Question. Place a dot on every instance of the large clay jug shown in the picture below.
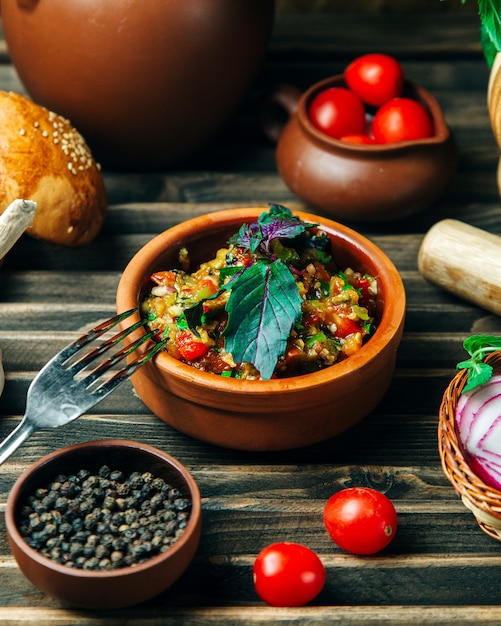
(147, 82)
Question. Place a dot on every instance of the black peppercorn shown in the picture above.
(117, 476)
(104, 471)
(109, 502)
(103, 520)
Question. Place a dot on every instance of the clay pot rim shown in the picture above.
(101, 444)
(389, 323)
(442, 131)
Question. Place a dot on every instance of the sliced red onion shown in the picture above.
(478, 424)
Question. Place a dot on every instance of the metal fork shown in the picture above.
(62, 391)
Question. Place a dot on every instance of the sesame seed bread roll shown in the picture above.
(44, 159)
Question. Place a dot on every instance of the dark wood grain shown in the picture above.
(441, 568)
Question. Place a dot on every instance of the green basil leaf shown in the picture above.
(263, 306)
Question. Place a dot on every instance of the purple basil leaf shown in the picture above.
(278, 223)
(264, 305)
(248, 237)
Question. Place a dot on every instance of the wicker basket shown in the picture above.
(482, 500)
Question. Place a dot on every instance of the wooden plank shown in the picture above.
(259, 615)
(417, 35)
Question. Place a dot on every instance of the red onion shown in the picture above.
(478, 424)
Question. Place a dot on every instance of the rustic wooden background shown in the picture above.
(441, 568)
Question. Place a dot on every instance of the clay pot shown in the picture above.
(113, 588)
(371, 183)
(279, 413)
(146, 83)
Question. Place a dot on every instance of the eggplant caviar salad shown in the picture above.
(271, 304)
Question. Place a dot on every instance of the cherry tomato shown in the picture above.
(376, 78)
(288, 574)
(337, 111)
(358, 138)
(189, 347)
(360, 520)
(401, 119)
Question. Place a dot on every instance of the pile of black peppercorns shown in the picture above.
(104, 520)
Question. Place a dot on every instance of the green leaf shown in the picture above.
(490, 14)
(478, 373)
(488, 47)
(490, 30)
(263, 306)
(478, 346)
(194, 315)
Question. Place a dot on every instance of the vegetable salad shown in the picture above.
(270, 304)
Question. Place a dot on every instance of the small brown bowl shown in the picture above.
(481, 499)
(362, 183)
(110, 589)
(278, 413)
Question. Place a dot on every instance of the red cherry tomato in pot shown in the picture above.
(288, 574)
(337, 111)
(401, 119)
(360, 520)
(376, 78)
(359, 139)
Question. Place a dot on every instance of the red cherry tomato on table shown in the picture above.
(401, 119)
(360, 520)
(376, 78)
(337, 111)
(288, 574)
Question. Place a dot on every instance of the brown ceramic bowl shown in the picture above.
(146, 83)
(371, 183)
(274, 414)
(115, 588)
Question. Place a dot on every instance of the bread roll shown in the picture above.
(44, 159)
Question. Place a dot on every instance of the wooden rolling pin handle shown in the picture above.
(464, 260)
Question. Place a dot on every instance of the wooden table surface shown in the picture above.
(440, 568)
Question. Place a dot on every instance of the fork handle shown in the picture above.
(12, 442)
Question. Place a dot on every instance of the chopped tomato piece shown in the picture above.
(208, 286)
(164, 278)
(189, 347)
(364, 284)
(346, 327)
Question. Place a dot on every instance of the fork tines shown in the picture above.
(80, 363)
(129, 369)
